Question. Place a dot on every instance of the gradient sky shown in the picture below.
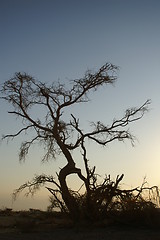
(61, 39)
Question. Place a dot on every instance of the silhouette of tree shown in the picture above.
(26, 94)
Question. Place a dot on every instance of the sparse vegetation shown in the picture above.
(32, 221)
(106, 202)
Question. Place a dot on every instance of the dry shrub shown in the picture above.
(138, 206)
(6, 212)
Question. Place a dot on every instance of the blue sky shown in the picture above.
(61, 39)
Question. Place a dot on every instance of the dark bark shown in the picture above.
(70, 168)
(69, 200)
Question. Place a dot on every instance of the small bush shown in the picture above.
(6, 211)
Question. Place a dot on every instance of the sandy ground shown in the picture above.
(38, 226)
(108, 233)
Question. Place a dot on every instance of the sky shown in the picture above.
(60, 40)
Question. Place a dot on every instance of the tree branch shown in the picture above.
(18, 133)
(34, 185)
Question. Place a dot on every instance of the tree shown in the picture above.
(27, 94)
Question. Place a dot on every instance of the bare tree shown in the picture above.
(26, 94)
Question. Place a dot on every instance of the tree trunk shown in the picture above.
(70, 168)
(69, 200)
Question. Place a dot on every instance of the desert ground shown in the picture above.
(35, 225)
(85, 234)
